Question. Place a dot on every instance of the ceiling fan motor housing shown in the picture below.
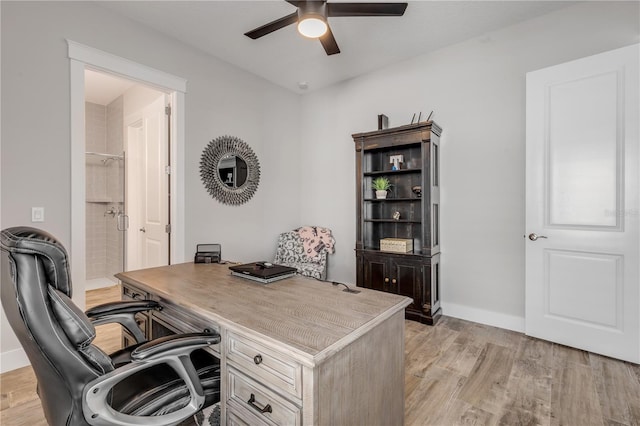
(312, 19)
(315, 9)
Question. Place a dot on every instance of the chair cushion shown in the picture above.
(307, 269)
(73, 321)
(78, 329)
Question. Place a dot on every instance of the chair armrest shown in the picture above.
(122, 307)
(163, 345)
(171, 350)
(123, 312)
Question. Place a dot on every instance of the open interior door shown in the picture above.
(148, 187)
(582, 204)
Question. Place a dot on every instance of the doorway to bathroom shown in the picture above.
(127, 177)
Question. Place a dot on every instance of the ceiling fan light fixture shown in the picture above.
(312, 25)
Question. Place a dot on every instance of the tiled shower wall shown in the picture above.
(104, 189)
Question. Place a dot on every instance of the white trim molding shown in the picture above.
(84, 57)
(482, 316)
(126, 68)
(10, 360)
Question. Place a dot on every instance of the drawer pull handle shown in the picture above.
(252, 402)
(257, 359)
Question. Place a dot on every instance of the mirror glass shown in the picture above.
(232, 170)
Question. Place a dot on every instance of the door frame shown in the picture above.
(82, 57)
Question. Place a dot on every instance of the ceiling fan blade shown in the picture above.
(366, 9)
(329, 42)
(273, 26)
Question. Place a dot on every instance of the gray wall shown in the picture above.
(477, 92)
(476, 89)
(220, 100)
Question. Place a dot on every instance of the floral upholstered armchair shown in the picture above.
(306, 249)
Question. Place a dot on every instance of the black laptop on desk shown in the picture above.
(263, 272)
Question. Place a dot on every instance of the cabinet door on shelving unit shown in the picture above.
(407, 275)
(376, 274)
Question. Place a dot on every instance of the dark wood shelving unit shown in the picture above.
(392, 172)
(391, 200)
(415, 274)
(391, 221)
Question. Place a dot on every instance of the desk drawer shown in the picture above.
(172, 319)
(238, 416)
(261, 402)
(132, 293)
(273, 368)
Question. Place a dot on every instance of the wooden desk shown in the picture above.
(313, 353)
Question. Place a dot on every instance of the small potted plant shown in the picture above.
(381, 185)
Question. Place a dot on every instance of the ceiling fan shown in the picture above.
(311, 17)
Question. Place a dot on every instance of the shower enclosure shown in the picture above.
(105, 186)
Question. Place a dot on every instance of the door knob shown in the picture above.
(534, 237)
(142, 230)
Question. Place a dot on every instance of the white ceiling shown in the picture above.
(102, 89)
(286, 58)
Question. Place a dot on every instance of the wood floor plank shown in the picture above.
(564, 354)
(635, 370)
(426, 349)
(461, 356)
(27, 414)
(462, 413)
(454, 324)
(456, 373)
(442, 387)
(528, 400)
(574, 400)
(487, 382)
(108, 336)
(498, 336)
(619, 394)
(536, 350)
(19, 386)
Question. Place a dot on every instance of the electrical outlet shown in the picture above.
(37, 214)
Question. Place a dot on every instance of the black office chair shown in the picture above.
(161, 382)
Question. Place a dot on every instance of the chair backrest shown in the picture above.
(290, 249)
(56, 336)
(309, 261)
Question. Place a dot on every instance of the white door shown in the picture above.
(148, 184)
(582, 203)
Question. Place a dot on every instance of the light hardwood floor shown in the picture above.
(457, 372)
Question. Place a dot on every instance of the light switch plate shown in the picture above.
(37, 214)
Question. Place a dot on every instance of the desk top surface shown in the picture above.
(309, 316)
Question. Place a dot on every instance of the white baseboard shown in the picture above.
(10, 360)
(494, 319)
(99, 283)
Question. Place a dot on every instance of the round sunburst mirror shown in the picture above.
(230, 170)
